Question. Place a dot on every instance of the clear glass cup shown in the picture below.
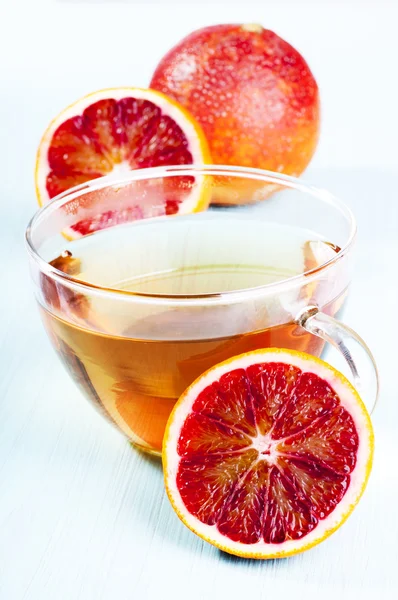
(140, 309)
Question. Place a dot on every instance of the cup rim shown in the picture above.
(193, 169)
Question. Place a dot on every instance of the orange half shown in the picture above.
(111, 132)
(267, 454)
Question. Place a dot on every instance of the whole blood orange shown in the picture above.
(267, 454)
(254, 96)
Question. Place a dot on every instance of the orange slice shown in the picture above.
(267, 454)
(111, 132)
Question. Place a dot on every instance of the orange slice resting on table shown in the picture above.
(111, 132)
(266, 454)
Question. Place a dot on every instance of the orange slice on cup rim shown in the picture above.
(267, 454)
(111, 132)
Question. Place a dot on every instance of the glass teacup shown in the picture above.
(139, 309)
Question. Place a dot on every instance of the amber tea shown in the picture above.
(134, 360)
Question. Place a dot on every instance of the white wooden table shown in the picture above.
(85, 517)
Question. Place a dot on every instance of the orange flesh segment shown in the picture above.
(110, 132)
(132, 132)
(266, 453)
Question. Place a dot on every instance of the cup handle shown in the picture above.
(360, 360)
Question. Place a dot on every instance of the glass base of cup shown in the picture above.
(145, 449)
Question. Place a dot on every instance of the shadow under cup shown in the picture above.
(138, 310)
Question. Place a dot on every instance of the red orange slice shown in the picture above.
(111, 132)
(267, 454)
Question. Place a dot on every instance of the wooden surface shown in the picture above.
(84, 516)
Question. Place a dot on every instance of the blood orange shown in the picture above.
(111, 132)
(267, 454)
(253, 94)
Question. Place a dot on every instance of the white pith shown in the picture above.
(348, 399)
(167, 108)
